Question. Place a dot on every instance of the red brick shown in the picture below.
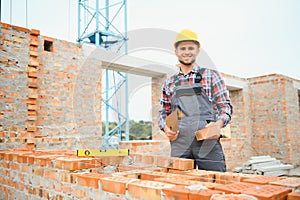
(293, 196)
(32, 117)
(202, 194)
(31, 69)
(291, 182)
(21, 29)
(262, 180)
(186, 182)
(34, 53)
(153, 175)
(34, 42)
(8, 100)
(116, 184)
(44, 160)
(35, 32)
(148, 190)
(50, 39)
(4, 25)
(33, 63)
(23, 157)
(268, 192)
(231, 197)
(32, 107)
(89, 179)
(206, 133)
(15, 166)
(25, 168)
(123, 168)
(33, 82)
(3, 59)
(235, 188)
(164, 161)
(112, 160)
(176, 192)
(66, 177)
(203, 175)
(67, 189)
(31, 128)
(79, 193)
(149, 159)
(227, 177)
(32, 96)
(73, 163)
(51, 174)
(37, 171)
(183, 164)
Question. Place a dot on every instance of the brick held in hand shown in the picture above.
(209, 132)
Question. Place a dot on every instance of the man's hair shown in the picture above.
(177, 43)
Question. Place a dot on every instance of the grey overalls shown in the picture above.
(192, 101)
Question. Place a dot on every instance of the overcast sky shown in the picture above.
(242, 37)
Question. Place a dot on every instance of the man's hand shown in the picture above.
(211, 131)
(170, 134)
(214, 129)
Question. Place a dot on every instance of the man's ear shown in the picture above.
(198, 51)
(176, 52)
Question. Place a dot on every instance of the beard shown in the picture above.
(187, 64)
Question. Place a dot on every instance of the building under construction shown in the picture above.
(51, 106)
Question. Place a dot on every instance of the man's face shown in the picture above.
(187, 52)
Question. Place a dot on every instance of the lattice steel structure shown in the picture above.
(104, 24)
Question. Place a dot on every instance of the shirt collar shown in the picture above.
(194, 70)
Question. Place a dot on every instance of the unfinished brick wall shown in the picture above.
(275, 115)
(156, 94)
(238, 147)
(55, 175)
(51, 92)
(14, 88)
(51, 99)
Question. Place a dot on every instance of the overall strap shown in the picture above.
(199, 75)
(197, 79)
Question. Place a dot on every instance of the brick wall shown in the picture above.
(241, 129)
(275, 115)
(55, 175)
(14, 88)
(156, 86)
(51, 99)
(51, 92)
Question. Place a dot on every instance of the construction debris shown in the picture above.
(264, 165)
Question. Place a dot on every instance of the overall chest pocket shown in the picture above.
(188, 100)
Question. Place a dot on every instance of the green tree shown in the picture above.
(141, 130)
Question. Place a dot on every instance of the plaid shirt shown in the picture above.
(213, 85)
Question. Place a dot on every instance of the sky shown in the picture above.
(245, 38)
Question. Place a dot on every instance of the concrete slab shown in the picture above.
(294, 172)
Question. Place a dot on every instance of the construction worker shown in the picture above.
(200, 98)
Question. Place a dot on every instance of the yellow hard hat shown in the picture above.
(186, 35)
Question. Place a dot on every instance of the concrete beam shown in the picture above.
(234, 84)
(127, 64)
(143, 67)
